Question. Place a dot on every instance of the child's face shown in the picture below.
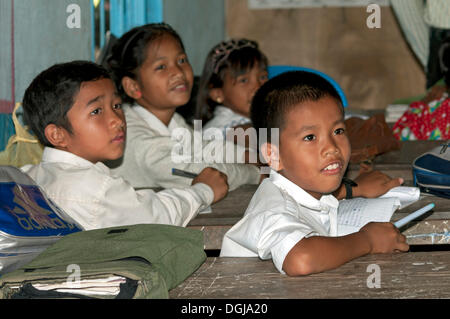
(238, 91)
(314, 147)
(165, 78)
(98, 123)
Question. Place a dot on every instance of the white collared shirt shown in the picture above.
(225, 118)
(94, 198)
(279, 215)
(147, 161)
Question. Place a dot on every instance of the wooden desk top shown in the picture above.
(402, 275)
(398, 163)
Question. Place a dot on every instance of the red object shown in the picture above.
(424, 121)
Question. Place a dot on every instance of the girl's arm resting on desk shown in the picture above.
(318, 253)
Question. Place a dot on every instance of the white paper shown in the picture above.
(406, 195)
(206, 210)
(101, 286)
(357, 212)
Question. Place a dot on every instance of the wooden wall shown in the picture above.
(373, 66)
(200, 24)
(33, 36)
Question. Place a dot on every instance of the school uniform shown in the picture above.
(279, 215)
(224, 118)
(94, 198)
(148, 157)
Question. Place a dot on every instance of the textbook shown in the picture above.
(354, 213)
(29, 221)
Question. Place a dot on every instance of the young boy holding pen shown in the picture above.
(292, 217)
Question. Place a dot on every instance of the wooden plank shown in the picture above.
(408, 152)
(398, 163)
(402, 275)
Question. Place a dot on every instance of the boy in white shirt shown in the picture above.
(75, 111)
(292, 218)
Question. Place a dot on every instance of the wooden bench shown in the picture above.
(401, 275)
(432, 228)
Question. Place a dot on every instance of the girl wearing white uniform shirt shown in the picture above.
(154, 77)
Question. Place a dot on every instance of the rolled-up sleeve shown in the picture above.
(268, 234)
(119, 204)
(154, 156)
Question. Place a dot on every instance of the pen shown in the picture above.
(410, 217)
(182, 173)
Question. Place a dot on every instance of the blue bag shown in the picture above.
(29, 221)
(431, 171)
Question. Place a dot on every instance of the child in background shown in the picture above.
(292, 218)
(153, 75)
(76, 113)
(232, 73)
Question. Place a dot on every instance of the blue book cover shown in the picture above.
(26, 212)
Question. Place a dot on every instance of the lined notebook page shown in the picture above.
(357, 212)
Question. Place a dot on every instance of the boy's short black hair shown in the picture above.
(277, 96)
(52, 94)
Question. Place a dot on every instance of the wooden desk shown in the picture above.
(433, 228)
(402, 275)
(398, 163)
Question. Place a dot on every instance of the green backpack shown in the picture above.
(137, 261)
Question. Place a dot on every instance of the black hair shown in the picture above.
(129, 52)
(52, 94)
(276, 97)
(237, 56)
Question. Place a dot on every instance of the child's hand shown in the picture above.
(384, 238)
(374, 183)
(214, 179)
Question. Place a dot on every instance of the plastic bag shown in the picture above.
(22, 148)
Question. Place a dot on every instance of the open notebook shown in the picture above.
(357, 212)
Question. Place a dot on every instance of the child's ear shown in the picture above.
(56, 135)
(271, 154)
(131, 88)
(216, 94)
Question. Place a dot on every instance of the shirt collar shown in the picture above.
(154, 122)
(301, 196)
(53, 155)
(221, 110)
